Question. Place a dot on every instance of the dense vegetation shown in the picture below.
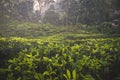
(63, 13)
(34, 59)
(59, 39)
(78, 52)
(37, 30)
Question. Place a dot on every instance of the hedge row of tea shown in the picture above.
(35, 30)
(35, 59)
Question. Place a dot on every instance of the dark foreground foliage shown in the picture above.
(58, 59)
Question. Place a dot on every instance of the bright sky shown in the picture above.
(55, 0)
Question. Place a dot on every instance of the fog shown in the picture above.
(40, 7)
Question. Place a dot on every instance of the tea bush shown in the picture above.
(52, 59)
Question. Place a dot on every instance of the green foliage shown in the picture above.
(40, 59)
(78, 31)
(25, 64)
(109, 28)
(51, 16)
(88, 77)
(70, 76)
(70, 11)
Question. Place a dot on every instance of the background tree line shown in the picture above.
(72, 11)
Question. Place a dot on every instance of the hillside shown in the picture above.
(37, 30)
(59, 40)
(32, 51)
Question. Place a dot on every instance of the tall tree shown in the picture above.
(85, 11)
(65, 4)
(51, 16)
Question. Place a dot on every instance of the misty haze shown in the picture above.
(59, 39)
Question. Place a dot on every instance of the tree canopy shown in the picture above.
(74, 11)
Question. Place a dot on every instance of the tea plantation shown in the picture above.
(46, 52)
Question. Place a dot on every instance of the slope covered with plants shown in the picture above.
(59, 39)
(32, 51)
